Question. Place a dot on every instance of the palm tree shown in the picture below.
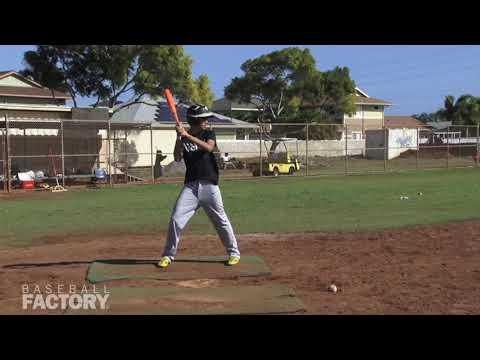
(468, 110)
(449, 111)
(464, 111)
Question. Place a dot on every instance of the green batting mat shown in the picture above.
(183, 268)
(234, 300)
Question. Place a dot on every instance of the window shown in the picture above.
(356, 135)
(240, 134)
(358, 113)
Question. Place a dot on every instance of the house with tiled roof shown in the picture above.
(403, 122)
(154, 113)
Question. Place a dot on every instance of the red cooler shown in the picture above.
(28, 184)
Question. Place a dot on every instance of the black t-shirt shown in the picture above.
(201, 164)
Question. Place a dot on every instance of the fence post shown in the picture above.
(345, 127)
(478, 144)
(114, 155)
(7, 154)
(4, 163)
(63, 153)
(448, 148)
(306, 152)
(418, 148)
(385, 148)
(261, 160)
(151, 154)
(125, 151)
(24, 147)
(110, 177)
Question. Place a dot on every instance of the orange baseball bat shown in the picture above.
(172, 105)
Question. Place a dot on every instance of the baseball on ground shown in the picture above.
(333, 288)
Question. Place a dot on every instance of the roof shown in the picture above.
(32, 92)
(4, 74)
(224, 104)
(157, 113)
(392, 122)
(35, 107)
(361, 92)
(360, 100)
(35, 91)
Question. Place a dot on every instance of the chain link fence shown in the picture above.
(3, 156)
(91, 152)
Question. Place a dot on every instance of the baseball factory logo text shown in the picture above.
(62, 296)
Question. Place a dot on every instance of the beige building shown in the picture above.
(369, 115)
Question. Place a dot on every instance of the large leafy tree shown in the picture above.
(269, 79)
(107, 72)
(201, 92)
(285, 85)
(54, 67)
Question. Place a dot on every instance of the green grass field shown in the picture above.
(318, 164)
(285, 204)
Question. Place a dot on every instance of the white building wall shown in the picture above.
(225, 134)
(326, 148)
(163, 140)
(397, 141)
(401, 140)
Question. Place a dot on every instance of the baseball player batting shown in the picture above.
(200, 188)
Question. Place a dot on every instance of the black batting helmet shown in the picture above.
(197, 112)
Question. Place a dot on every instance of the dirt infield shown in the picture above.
(420, 270)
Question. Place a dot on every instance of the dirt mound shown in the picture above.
(421, 270)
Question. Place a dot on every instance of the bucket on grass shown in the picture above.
(100, 174)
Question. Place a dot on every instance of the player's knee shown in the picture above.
(177, 220)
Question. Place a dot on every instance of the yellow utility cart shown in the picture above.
(278, 162)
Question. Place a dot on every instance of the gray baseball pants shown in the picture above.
(194, 195)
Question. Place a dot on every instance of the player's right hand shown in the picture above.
(181, 130)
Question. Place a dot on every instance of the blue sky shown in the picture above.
(415, 78)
